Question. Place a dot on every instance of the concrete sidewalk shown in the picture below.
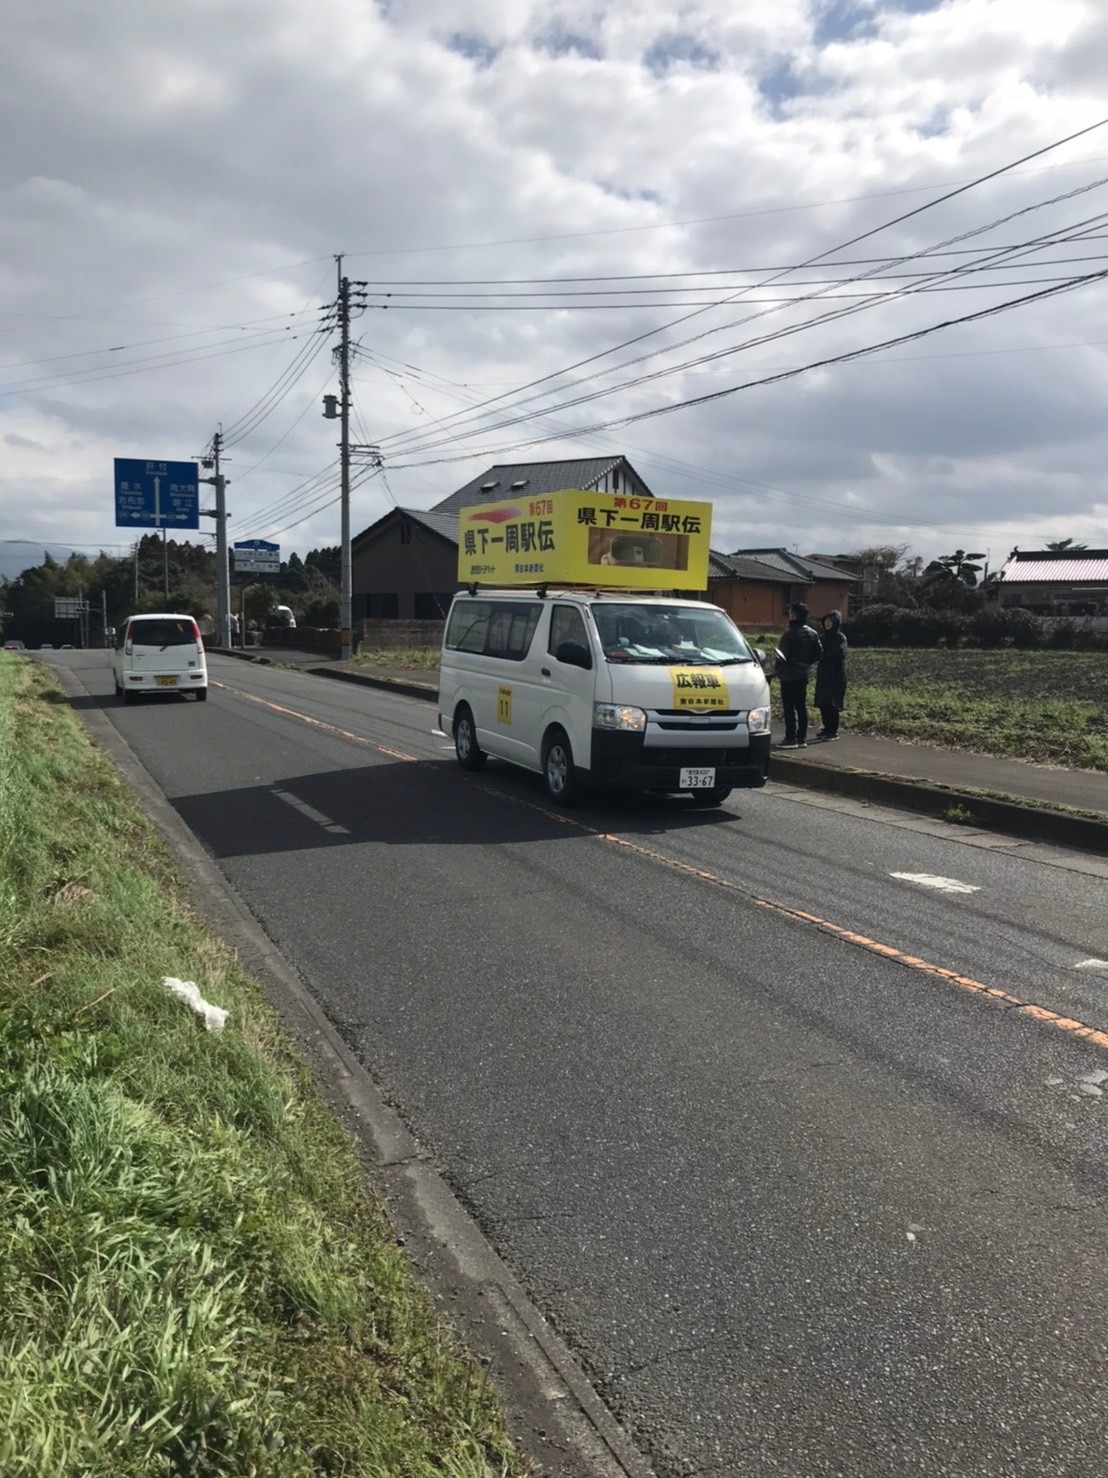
(956, 769)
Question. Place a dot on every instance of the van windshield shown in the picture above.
(161, 631)
(668, 634)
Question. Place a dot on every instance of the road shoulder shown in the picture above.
(553, 1412)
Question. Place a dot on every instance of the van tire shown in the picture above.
(126, 695)
(470, 754)
(714, 797)
(201, 695)
(558, 775)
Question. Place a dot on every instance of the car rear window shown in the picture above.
(162, 631)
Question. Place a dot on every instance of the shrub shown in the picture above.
(872, 627)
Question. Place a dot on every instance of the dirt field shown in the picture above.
(1045, 706)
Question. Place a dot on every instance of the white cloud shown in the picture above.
(168, 173)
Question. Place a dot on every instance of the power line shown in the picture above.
(804, 369)
(833, 315)
(267, 403)
(811, 261)
(744, 215)
(45, 383)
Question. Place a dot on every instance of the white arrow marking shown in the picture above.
(1092, 965)
(931, 880)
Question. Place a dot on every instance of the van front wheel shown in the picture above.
(562, 785)
(470, 754)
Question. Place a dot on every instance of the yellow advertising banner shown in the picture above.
(573, 537)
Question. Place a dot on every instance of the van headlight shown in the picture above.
(757, 720)
(618, 716)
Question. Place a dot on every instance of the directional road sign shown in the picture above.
(69, 607)
(156, 495)
(257, 557)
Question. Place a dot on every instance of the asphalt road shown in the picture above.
(800, 1205)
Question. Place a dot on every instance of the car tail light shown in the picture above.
(130, 643)
(198, 638)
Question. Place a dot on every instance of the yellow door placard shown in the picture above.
(574, 537)
(699, 689)
(504, 706)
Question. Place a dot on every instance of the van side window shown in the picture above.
(567, 624)
(469, 626)
(511, 630)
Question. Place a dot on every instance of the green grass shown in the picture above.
(194, 1278)
(1050, 707)
(415, 659)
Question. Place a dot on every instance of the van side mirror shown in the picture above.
(573, 654)
(760, 654)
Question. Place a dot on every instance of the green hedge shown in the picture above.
(992, 626)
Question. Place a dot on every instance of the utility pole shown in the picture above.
(350, 295)
(222, 564)
(346, 568)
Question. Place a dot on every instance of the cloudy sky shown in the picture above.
(618, 199)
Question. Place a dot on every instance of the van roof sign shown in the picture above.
(573, 537)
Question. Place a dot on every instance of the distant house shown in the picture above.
(405, 566)
(1055, 582)
(757, 586)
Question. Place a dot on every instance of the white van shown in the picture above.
(605, 689)
(160, 653)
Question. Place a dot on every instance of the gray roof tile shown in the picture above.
(539, 477)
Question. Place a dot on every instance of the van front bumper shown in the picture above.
(621, 761)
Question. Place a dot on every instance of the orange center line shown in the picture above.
(317, 723)
(1042, 1014)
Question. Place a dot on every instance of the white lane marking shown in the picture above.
(932, 880)
(312, 814)
(1091, 965)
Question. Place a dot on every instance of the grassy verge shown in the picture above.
(1046, 706)
(413, 659)
(194, 1279)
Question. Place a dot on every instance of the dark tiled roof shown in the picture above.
(445, 525)
(739, 567)
(538, 477)
(793, 565)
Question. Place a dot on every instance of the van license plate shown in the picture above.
(698, 779)
(166, 682)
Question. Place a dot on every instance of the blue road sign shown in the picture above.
(156, 495)
(256, 556)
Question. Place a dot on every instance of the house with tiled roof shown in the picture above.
(757, 586)
(1055, 582)
(405, 566)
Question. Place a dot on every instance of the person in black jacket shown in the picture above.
(831, 675)
(798, 651)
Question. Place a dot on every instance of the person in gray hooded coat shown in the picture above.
(831, 675)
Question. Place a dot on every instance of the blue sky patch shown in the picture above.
(477, 48)
(844, 21)
(676, 49)
(780, 85)
(557, 42)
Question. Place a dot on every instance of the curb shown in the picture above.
(1018, 818)
(250, 655)
(389, 684)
